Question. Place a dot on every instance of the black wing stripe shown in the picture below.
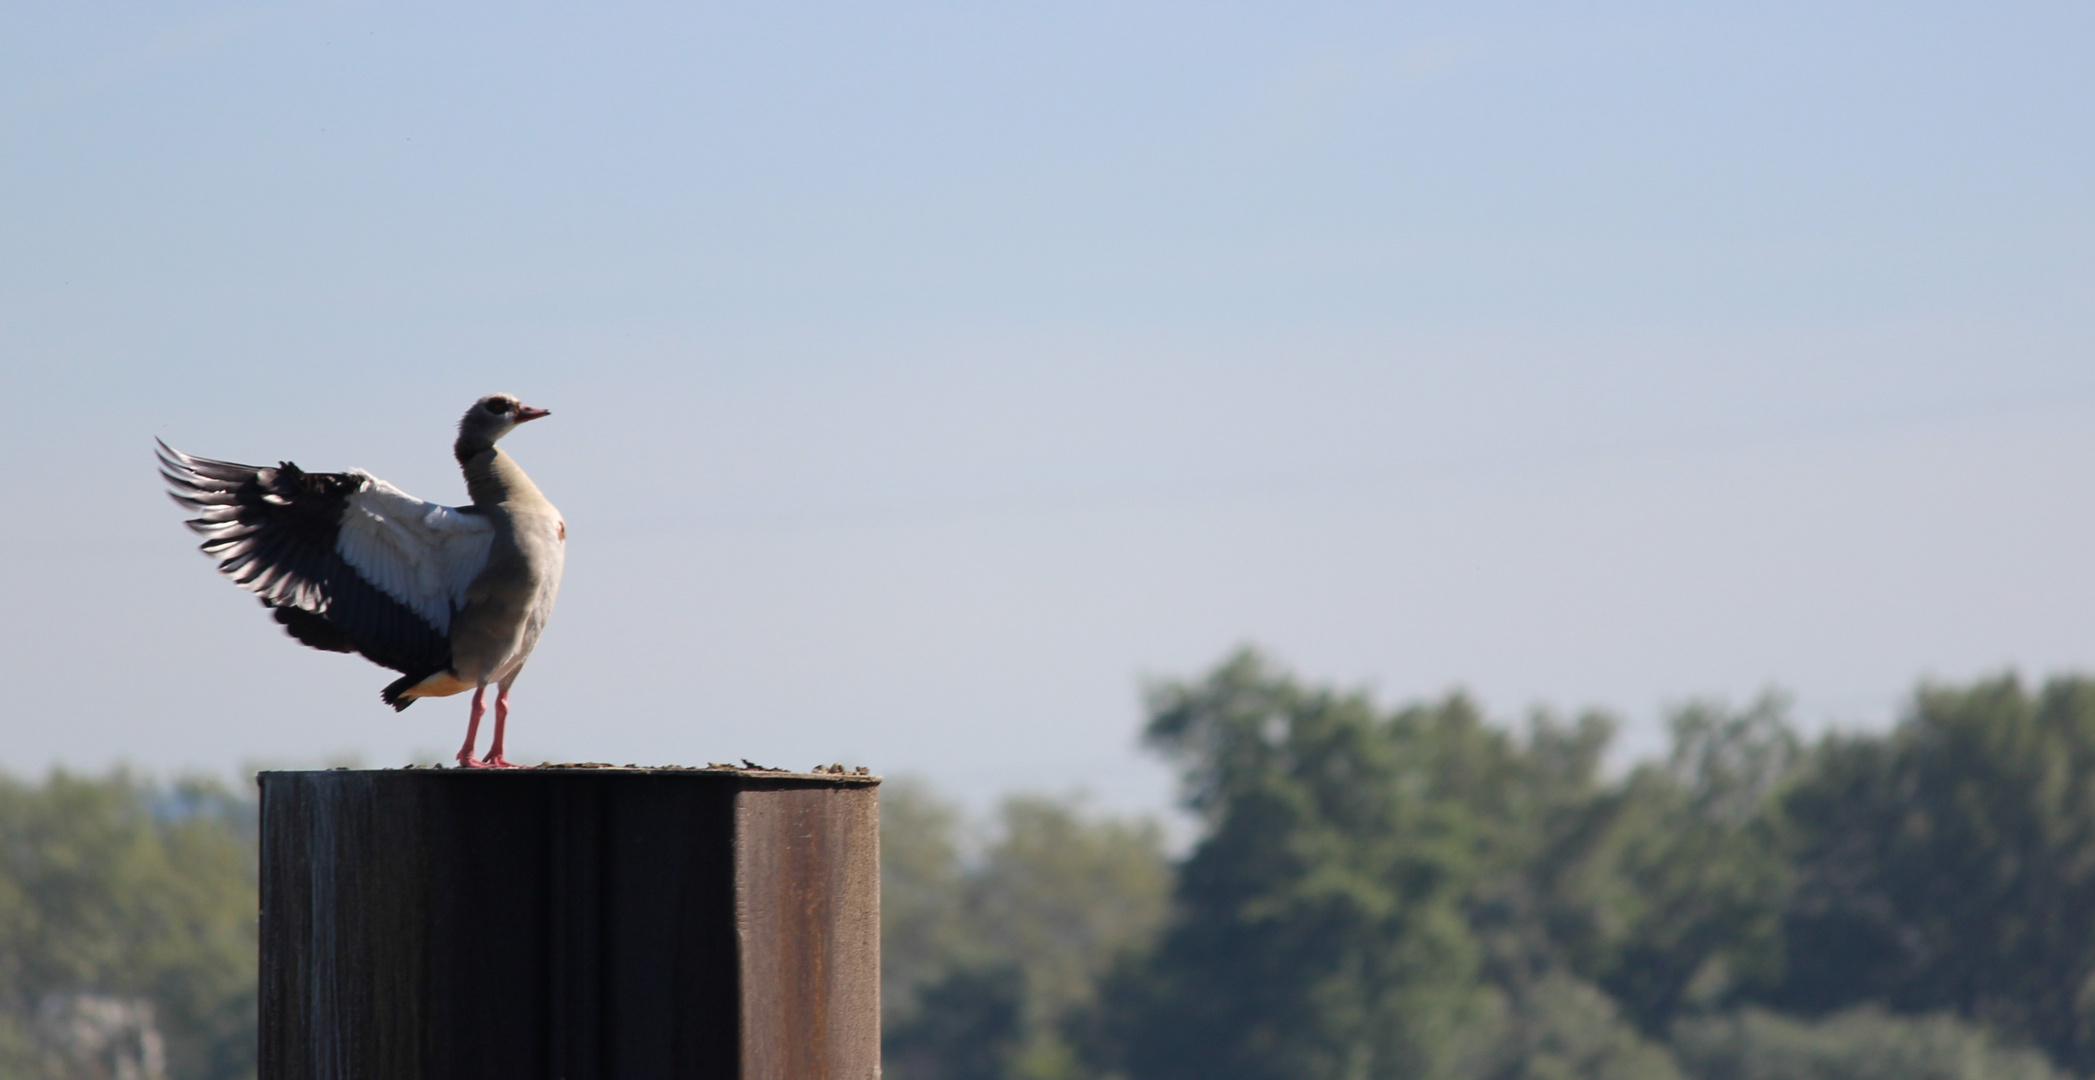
(274, 532)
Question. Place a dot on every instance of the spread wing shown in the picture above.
(346, 561)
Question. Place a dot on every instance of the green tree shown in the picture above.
(923, 928)
(1951, 865)
(114, 887)
(1668, 890)
(969, 1024)
(1418, 893)
(1063, 894)
(1862, 1044)
(1556, 895)
(1560, 1027)
(988, 954)
(1319, 926)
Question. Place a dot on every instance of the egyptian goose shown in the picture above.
(452, 597)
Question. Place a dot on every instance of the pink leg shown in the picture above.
(465, 756)
(494, 752)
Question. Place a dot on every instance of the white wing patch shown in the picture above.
(419, 553)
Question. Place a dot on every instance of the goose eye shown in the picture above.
(497, 407)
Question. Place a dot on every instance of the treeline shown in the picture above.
(127, 930)
(1414, 892)
(1374, 892)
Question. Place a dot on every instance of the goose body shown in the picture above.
(453, 598)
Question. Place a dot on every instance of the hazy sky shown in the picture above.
(927, 376)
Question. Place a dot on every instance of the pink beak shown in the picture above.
(526, 412)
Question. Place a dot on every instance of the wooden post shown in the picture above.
(570, 924)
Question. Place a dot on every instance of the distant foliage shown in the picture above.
(1951, 866)
(1668, 888)
(1864, 1044)
(1319, 930)
(992, 945)
(1415, 894)
(923, 931)
(130, 908)
(1558, 1027)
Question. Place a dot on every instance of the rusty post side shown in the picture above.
(806, 861)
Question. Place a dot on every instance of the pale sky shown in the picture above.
(926, 377)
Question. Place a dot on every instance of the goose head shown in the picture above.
(490, 418)
(494, 416)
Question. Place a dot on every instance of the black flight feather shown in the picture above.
(274, 531)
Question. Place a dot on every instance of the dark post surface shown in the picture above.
(570, 924)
